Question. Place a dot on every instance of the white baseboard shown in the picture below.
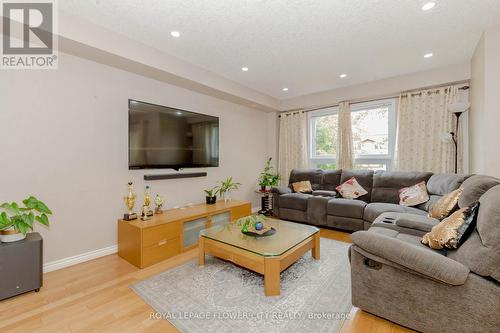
(70, 261)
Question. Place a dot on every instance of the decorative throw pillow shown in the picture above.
(413, 195)
(351, 189)
(302, 187)
(453, 230)
(444, 206)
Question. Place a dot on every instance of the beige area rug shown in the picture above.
(221, 297)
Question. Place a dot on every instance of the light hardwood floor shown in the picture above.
(95, 297)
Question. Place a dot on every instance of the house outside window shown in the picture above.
(373, 131)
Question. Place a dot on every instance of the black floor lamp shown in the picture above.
(457, 109)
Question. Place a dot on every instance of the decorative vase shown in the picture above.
(11, 235)
(263, 188)
(227, 196)
(211, 200)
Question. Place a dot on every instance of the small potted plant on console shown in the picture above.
(211, 195)
(226, 186)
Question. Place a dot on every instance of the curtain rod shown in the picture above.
(356, 101)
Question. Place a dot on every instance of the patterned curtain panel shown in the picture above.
(292, 144)
(344, 139)
(423, 122)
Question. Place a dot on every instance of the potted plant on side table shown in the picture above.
(267, 178)
(211, 195)
(16, 221)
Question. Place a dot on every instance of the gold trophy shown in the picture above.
(159, 202)
(146, 212)
(129, 202)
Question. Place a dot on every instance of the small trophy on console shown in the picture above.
(146, 211)
(159, 202)
(129, 202)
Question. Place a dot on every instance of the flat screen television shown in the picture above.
(165, 137)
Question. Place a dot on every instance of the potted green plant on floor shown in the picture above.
(267, 177)
(211, 195)
(226, 186)
(17, 221)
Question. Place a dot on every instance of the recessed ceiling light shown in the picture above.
(175, 34)
(343, 76)
(428, 5)
(428, 55)
(179, 113)
(285, 89)
(244, 69)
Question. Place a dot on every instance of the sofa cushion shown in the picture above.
(474, 187)
(331, 179)
(481, 251)
(444, 183)
(386, 185)
(315, 176)
(346, 208)
(373, 210)
(364, 178)
(296, 201)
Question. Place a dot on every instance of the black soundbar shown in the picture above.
(175, 175)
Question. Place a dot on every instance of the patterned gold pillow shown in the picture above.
(444, 206)
(454, 230)
(302, 187)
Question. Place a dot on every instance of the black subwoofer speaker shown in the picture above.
(21, 266)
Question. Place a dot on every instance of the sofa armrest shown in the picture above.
(281, 190)
(416, 222)
(324, 193)
(414, 258)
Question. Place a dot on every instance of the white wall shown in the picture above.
(476, 114)
(63, 138)
(485, 109)
(381, 88)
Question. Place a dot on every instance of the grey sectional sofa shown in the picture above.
(393, 275)
(323, 208)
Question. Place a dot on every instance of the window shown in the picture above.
(373, 132)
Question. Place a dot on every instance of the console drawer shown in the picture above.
(154, 235)
(164, 249)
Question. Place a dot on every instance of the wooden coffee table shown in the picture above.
(268, 256)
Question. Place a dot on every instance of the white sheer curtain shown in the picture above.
(344, 138)
(292, 143)
(423, 121)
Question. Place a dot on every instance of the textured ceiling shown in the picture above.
(300, 44)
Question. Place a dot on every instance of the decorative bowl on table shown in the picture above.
(255, 225)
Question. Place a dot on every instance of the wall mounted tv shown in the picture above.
(165, 137)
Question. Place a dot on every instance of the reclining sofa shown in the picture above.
(393, 275)
(324, 207)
